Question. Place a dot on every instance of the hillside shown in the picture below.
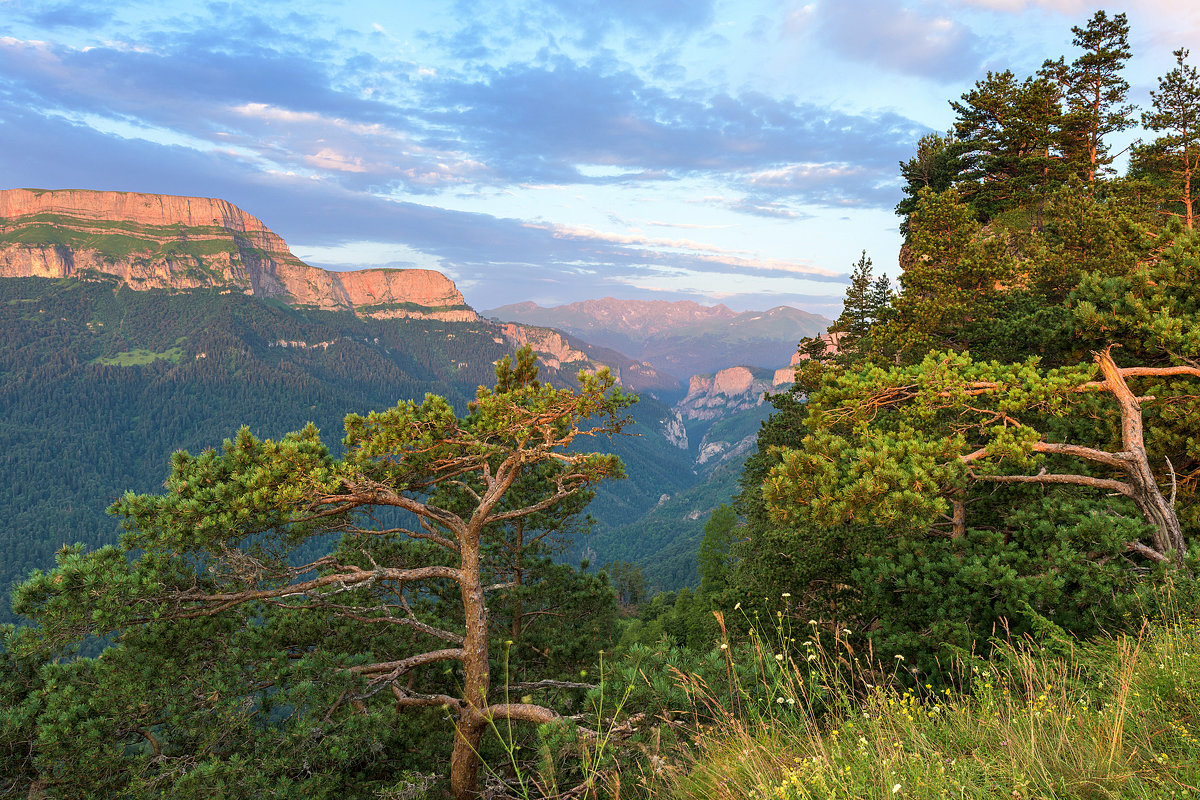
(139, 324)
(680, 338)
(100, 383)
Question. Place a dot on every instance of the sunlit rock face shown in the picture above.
(732, 389)
(152, 241)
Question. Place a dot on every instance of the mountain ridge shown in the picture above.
(681, 338)
(175, 242)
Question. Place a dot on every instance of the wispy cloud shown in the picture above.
(890, 35)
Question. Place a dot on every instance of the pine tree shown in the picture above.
(1094, 90)
(936, 166)
(1177, 152)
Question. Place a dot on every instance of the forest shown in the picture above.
(961, 562)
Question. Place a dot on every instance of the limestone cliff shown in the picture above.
(152, 241)
(733, 389)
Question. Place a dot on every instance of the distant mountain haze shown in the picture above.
(681, 338)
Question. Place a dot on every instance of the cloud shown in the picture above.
(1019, 6)
(655, 19)
(544, 123)
(886, 34)
(763, 209)
(77, 14)
(286, 103)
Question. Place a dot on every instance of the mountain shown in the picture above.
(100, 383)
(134, 325)
(152, 241)
(680, 338)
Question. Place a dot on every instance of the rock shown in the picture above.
(552, 348)
(151, 241)
(674, 430)
(733, 389)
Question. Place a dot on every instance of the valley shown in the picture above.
(137, 325)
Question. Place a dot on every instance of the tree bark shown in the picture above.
(472, 718)
(1168, 536)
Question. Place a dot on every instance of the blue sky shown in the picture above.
(740, 152)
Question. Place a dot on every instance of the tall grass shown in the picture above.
(1107, 719)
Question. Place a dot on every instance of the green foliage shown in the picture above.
(1174, 157)
(225, 651)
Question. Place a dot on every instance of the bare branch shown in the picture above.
(409, 621)
(408, 699)
(206, 604)
(394, 669)
(1174, 482)
(548, 684)
(1077, 480)
(1148, 552)
(523, 712)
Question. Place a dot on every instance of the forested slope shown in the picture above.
(99, 384)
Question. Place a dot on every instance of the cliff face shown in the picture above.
(154, 241)
(733, 389)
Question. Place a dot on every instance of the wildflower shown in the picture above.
(812, 622)
(779, 700)
(896, 789)
(779, 656)
(739, 605)
(787, 594)
(724, 646)
(899, 658)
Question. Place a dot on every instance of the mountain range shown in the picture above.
(679, 338)
(135, 325)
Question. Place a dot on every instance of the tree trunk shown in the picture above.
(472, 719)
(1168, 536)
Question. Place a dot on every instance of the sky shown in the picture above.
(723, 151)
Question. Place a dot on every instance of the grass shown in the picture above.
(1116, 718)
(117, 239)
(140, 357)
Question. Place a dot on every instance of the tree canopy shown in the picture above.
(214, 631)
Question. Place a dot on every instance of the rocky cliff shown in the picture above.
(152, 241)
(556, 350)
(730, 390)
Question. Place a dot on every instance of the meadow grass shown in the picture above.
(139, 357)
(1112, 718)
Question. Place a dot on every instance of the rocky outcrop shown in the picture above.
(552, 347)
(717, 450)
(732, 389)
(152, 241)
(675, 431)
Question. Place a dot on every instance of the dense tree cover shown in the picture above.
(224, 652)
(1013, 437)
(1010, 441)
(99, 384)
